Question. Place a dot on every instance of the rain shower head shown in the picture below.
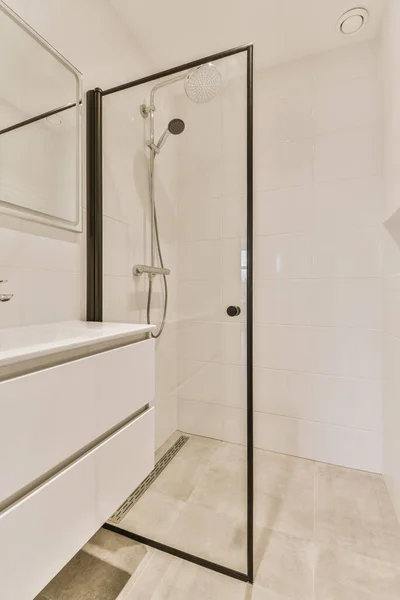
(202, 83)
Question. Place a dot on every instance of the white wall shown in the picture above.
(46, 266)
(391, 274)
(318, 258)
(318, 246)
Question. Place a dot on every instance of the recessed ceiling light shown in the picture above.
(352, 21)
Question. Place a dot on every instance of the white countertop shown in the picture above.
(35, 341)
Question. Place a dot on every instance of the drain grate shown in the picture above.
(146, 483)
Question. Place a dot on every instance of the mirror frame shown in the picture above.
(30, 214)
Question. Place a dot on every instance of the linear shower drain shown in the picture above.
(146, 483)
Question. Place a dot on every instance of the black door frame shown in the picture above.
(95, 275)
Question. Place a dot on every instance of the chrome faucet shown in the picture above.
(5, 297)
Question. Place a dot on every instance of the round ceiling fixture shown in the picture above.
(352, 21)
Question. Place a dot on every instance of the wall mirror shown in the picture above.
(40, 128)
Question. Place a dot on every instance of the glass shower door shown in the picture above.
(196, 502)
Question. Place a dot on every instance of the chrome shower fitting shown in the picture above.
(201, 85)
(175, 127)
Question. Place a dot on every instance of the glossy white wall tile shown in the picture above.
(212, 420)
(318, 258)
(283, 256)
(283, 164)
(344, 401)
(355, 152)
(345, 446)
(348, 202)
(337, 104)
(287, 210)
(348, 252)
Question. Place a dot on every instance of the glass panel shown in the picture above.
(197, 501)
(39, 159)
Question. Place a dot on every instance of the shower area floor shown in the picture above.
(321, 533)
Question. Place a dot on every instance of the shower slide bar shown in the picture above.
(138, 270)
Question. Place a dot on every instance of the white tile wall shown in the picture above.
(318, 253)
(350, 447)
(352, 152)
(288, 210)
(212, 420)
(43, 267)
(318, 263)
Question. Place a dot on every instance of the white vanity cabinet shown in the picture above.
(75, 440)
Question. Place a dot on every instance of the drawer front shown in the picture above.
(42, 532)
(46, 417)
(126, 382)
(123, 462)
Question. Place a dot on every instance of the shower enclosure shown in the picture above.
(170, 230)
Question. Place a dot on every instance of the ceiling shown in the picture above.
(175, 31)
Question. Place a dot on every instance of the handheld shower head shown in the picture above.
(202, 83)
(176, 127)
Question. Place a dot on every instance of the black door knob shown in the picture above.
(233, 311)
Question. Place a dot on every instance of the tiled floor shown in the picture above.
(322, 533)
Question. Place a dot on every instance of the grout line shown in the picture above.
(293, 418)
(312, 326)
(287, 371)
(312, 233)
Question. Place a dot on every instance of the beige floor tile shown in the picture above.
(168, 578)
(362, 495)
(282, 475)
(284, 489)
(199, 449)
(285, 565)
(353, 509)
(198, 505)
(117, 550)
(231, 455)
(209, 535)
(179, 478)
(153, 516)
(284, 494)
(256, 592)
(89, 577)
(222, 490)
(343, 575)
(292, 515)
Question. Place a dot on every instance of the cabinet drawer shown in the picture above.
(45, 417)
(43, 531)
(126, 382)
(48, 416)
